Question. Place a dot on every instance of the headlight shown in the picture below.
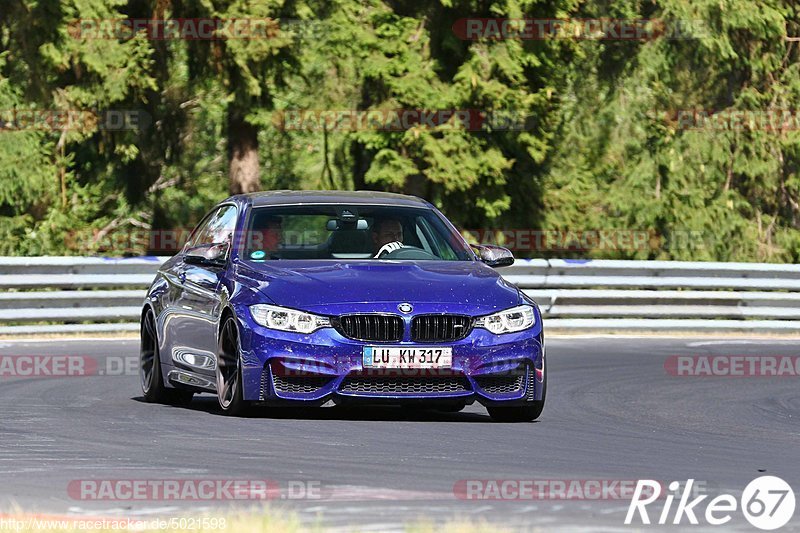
(508, 321)
(284, 319)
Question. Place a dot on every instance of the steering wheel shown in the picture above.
(408, 253)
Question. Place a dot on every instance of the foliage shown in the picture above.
(600, 144)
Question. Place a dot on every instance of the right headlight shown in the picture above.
(509, 321)
(284, 319)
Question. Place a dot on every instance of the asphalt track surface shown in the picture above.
(613, 413)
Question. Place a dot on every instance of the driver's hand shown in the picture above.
(388, 248)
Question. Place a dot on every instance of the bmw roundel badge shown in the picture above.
(405, 308)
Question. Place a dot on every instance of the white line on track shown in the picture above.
(740, 341)
(12, 342)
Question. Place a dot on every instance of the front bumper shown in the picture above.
(282, 367)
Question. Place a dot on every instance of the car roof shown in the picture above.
(286, 197)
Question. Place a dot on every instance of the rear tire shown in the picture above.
(152, 381)
(230, 390)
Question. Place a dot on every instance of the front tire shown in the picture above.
(523, 413)
(152, 381)
(230, 389)
(520, 413)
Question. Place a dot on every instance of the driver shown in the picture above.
(387, 236)
(273, 233)
(268, 239)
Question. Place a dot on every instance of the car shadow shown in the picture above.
(367, 413)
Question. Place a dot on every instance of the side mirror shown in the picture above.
(495, 256)
(209, 255)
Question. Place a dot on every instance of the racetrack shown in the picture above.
(613, 413)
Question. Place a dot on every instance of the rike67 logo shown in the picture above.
(767, 503)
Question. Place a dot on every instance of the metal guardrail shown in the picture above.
(73, 293)
(609, 295)
(99, 295)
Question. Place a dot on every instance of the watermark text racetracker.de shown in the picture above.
(398, 120)
(210, 489)
(190, 29)
(544, 489)
(171, 241)
(77, 120)
(599, 29)
(732, 366)
(61, 366)
(196, 29)
(569, 240)
(771, 120)
(553, 489)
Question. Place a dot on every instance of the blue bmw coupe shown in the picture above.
(300, 298)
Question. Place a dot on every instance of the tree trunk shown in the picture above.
(360, 165)
(416, 185)
(244, 171)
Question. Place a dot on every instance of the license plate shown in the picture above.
(401, 357)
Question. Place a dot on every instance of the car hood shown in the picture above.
(468, 287)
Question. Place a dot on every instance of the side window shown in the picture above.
(217, 228)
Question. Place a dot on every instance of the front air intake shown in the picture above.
(378, 328)
(440, 328)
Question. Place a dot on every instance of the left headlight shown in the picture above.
(509, 321)
(283, 319)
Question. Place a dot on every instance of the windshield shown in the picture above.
(350, 232)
